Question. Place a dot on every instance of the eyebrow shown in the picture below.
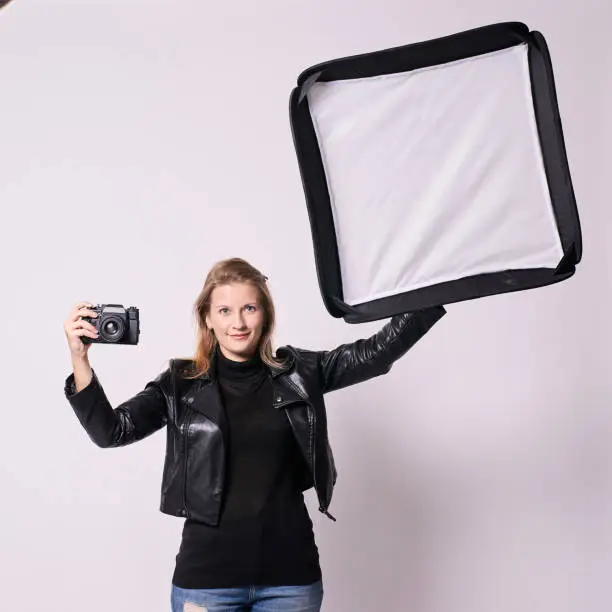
(226, 306)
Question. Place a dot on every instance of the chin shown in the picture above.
(251, 347)
(241, 347)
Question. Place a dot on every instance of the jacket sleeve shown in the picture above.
(358, 361)
(129, 422)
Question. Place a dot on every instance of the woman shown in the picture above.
(246, 435)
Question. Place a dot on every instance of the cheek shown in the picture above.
(254, 322)
(215, 324)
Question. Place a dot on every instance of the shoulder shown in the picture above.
(176, 368)
(180, 365)
(301, 356)
(181, 369)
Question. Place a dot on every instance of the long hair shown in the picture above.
(224, 272)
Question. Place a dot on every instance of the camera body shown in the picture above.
(115, 324)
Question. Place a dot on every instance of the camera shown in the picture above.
(115, 324)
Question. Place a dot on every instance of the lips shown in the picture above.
(239, 336)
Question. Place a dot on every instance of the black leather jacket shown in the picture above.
(191, 410)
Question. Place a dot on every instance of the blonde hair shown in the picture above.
(224, 272)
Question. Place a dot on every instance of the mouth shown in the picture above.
(239, 336)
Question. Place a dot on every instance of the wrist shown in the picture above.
(80, 360)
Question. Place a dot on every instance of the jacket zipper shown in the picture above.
(311, 422)
(186, 438)
(223, 439)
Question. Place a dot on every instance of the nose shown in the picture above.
(239, 320)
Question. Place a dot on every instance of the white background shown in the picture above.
(140, 142)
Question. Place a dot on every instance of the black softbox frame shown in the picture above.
(444, 53)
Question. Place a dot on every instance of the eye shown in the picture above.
(251, 308)
(224, 310)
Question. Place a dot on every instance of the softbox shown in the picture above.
(435, 172)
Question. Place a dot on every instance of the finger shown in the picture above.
(84, 312)
(79, 306)
(84, 325)
(81, 331)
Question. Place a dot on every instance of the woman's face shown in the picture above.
(237, 318)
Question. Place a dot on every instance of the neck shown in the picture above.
(235, 356)
(231, 368)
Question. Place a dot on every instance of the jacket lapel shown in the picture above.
(204, 396)
(283, 394)
(206, 399)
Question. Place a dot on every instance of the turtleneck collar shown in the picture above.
(237, 370)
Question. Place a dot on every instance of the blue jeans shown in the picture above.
(302, 598)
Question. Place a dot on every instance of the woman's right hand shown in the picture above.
(75, 327)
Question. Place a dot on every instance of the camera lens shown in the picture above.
(112, 329)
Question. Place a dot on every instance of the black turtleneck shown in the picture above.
(264, 535)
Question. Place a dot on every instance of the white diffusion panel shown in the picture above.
(435, 174)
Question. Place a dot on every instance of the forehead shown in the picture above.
(235, 293)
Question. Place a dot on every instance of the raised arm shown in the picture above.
(358, 361)
(133, 420)
(129, 422)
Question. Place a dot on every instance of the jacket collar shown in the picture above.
(204, 396)
(275, 371)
